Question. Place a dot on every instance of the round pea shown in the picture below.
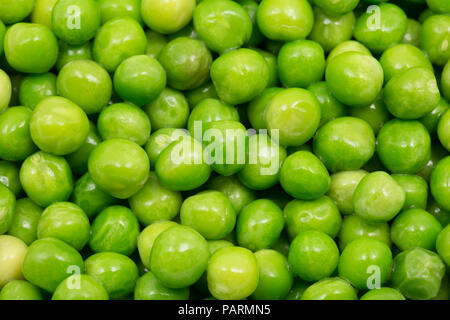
(111, 9)
(20, 290)
(12, 253)
(6, 92)
(443, 130)
(69, 53)
(80, 287)
(330, 289)
(384, 293)
(416, 190)
(439, 183)
(36, 87)
(148, 287)
(434, 38)
(160, 140)
(25, 221)
(354, 227)
(443, 245)
(342, 187)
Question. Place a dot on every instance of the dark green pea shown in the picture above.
(148, 287)
(25, 222)
(443, 216)
(256, 108)
(34, 88)
(416, 190)
(205, 91)
(443, 245)
(9, 176)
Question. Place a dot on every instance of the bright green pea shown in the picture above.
(256, 108)
(417, 274)
(272, 63)
(155, 43)
(20, 290)
(285, 20)
(49, 261)
(304, 176)
(169, 16)
(46, 178)
(378, 197)
(87, 289)
(179, 257)
(8, 208)
(139, 79)
(329, 30)
(160, 140)
(117, 40)
(9, 176)
(115, 229)
(169, 110)
(416, 190)
(117, 273)
(148, 287)
(15, 11)
(443, 245)
(354, 227)
(330, 107)
(34, 88)
(354, 78)
(119, 167)
(404, 146)
(232, 273)
(111, 9)
(205, 91)
(412, 94)
(25, 221)
(375, 114)
(438, 6)
(239, 75)
(439, 183)
(86, 83)
(259, 225)
(275, 278)
(263, 162)
(187, 31)
(305, 55)
(342, 188)
(6, 90)
(30, 47)
(313, 255)
(330, 289)
(384, 293)
(438, 212)
(347, 46)
(412, 34)
(381, 27)
(443, 130)
(415, 228)
(222, 25)
(366, 263)
(336, 8)
(435, 38)
(69, 53)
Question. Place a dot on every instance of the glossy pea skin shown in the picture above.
(342, 187)
(378, 197)
(272, 63)
(58, 126)
(117, 273)
(155, 202)
(12, 252)
(46, 178)
(438, 212)
(181, 166)
(251, 6)
(330, 30)
(169, 110)
(354, 78)
(295, 113)
(148, 287)
(390, 31)
(197, 95)
(69, 53)
(443, 130)
(9, 176)
(25, 221)
(298, 287)
(50, 261)
(210, 213)
(256, 108)
(179, 257)
(437, 154)
(285, 20)
(354, 227)
(344, 144)
(434, 38)
(15, 11)
(6, 92)
(347, 46)
(88, 289)
(431, 120)
(168, 16)
(8, 207)
(139, 79)
(86, 83)
(375, 114)
(161, 139)
(275, 278)
(363, 258)
(20, 290)
(259, 225)
(404, 146)
(111, 9)
(222, 25)
(313, 255)
(411, 94)
(417, 274)
(303, 176)
(412, 34)
(118, 39)
(119, 167)
(34, 88)
(124, 121)
(384, 293)
(330, 289)
(415, 228)
(155, 43)
(443, 245)
(416, 190)
(439, 183)
(30, 48)
(263, 162)
(239, 75)
(232, 273)
(336, 8)
(445, 81)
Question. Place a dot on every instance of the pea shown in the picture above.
(161, 139)
(148, 287)
(438, 183)
(330, 289)
(412, 34)
(431, 120)
(354, 227)
(416, 190)
(111, 9)
(34, 88)
(342, 187)
(87, 289)
(155, 43)
(443, 130)
(15, 11)
(69, 53)
(384, 293)
(12, 253)
(442, 245)
(434, 38)
(20, 290)
(6, 92)
(256, 108)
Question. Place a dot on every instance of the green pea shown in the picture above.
(115, 229)
(443, 216)
(443, 130)
(160, 140)
(148, 287)
(111, 9)
(34, 88)
(46, 178)
(382, 294)
(155, 43)
(6, 92)
(437, 153)
(69, 53)
(275, 278)
(251, 6)
(336, 8)
(256, 108)
(354, 227)
(412, 34)
(347, 46)
(117, 273)
(259, 225)
(298, 288)
(330, 289)
(330, 107)
(416, 190)
(25, 221)
(179, 257)
(8, 208)
(20, 290)
(431, 120)
(378, 197)
(87, 288)
(342, 187)
(205, 91)
(9, 176)
(445, 81)
(49, 261)
(439, 183)
(15, 11)
(434, 38)
(443, 245)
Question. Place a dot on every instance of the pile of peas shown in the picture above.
(119, 178)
